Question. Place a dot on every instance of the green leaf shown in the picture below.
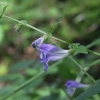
(24, 22)
(73, 45)
(1, 34)
(52, 29)
(93, 63)
(18, 26)
(94, 89)
(4, 9)
(81, 49)
(4, 90)
(20, 65)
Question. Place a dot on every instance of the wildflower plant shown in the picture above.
(71, 85)
(48, 52)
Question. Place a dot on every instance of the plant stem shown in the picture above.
(32, 27)
(27, 82)
(81, 67)
(93, 52)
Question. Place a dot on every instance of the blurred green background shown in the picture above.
(18, 63)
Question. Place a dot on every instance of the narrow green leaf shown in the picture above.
(4, 9)
(52, 29)
(20, 65)
(94, 89)
(93, 63)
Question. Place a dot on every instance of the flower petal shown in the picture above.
(45, 66)
(50, 57)
(55, 57)
(37, 43)
(58, 50)
(42, 56)
(75, 84)
(51, 48)
(70, 90)
(45, 57)
(46, 47)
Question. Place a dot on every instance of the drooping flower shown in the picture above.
(71, 85)
(48, 52)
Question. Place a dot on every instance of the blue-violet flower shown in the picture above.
(71, 85)
(48, 52)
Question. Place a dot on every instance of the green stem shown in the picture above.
(93, 52)
(81, 67)
(27, 82)
(93, 63)
(32, 27)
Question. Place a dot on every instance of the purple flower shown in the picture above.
(48, 52)
(37, 43)
(71, 85)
